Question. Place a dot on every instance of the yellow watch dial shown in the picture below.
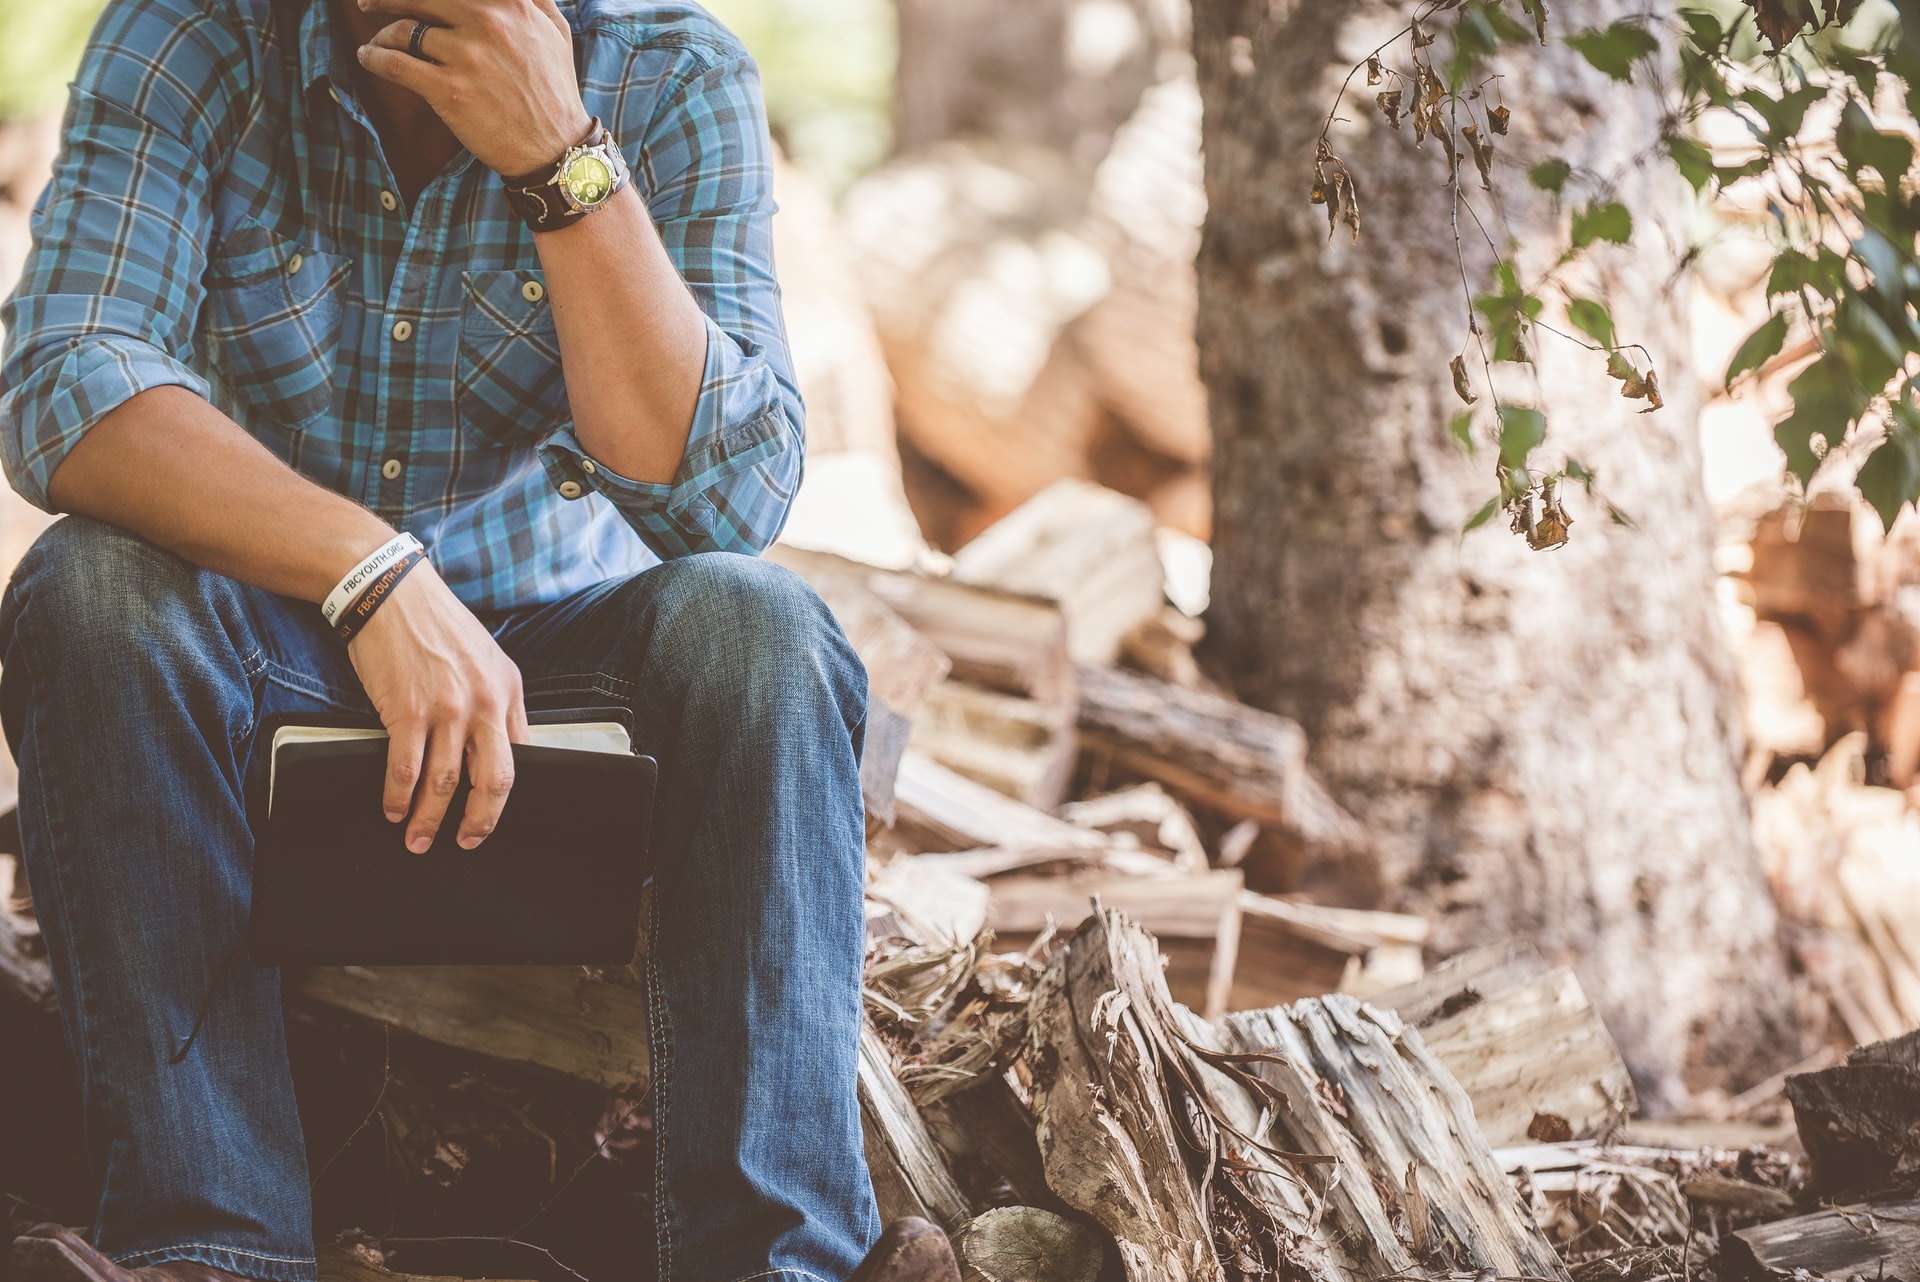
(588, 179)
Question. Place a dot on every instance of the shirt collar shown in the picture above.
(317, 44)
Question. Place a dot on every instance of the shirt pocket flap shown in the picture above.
(273, 316)
(509, 389)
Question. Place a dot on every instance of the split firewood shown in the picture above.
(972, 312)
(1018, 746)
(910, 1177)
(1289, 951)
(1416, 1184)
(1214, 752)
(23, 953)
(565, 1018)
(1087, 547)
(337, 1263)
(1028, 1244)
(1522, 1040)
(1150, 816)
(986, 1132)
(942, 810)
(1860, 1121)
(1841, 1242)
(1000, 640)
(902, 665)
(1195, 920)
(1137, 1131)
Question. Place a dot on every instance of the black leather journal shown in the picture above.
(557, 883)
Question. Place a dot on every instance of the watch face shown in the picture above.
(588, 179)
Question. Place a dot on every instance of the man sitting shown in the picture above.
(481, 288)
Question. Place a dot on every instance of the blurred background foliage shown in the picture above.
(828, 66)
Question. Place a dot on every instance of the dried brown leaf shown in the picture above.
(1389, 103)
(1462, 388)
(1373, 70)
(1482, 155)
(1497, 120)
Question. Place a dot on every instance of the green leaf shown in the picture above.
(1521, 429)
(1704, 29)
(1550, 175)
(1826, 401)
(1461, 426)
(1593, 319)
(1865, 147)
(1890, 478)
(1823, 271)
(1482, 515)
(1783, 115)
(1607, 220)
(1760, 347)
(1614, 51)
(1694, 161)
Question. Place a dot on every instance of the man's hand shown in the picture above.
(498, 72)
(445, 692)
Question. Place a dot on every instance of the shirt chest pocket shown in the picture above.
(509, 388)
(273, 325)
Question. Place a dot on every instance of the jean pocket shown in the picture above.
(273, 325)
(509, 389)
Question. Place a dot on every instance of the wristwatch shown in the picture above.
(581, 181)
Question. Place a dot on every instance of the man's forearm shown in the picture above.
(632, 339)
(176, 471)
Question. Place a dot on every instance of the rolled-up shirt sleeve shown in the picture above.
(706, 166)
(106, 304)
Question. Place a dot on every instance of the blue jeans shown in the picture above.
(132, 685)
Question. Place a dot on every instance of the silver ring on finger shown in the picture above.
(420, 30)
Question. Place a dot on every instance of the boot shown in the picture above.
(911, 1250)
(50, 1253)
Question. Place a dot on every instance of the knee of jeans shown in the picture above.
(749, 626)
(89, 586)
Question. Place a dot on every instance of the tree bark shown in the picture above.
(1539, 745)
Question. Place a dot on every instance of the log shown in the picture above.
(1195, 920)
(1017, 746)
(902, 665)
(986, 1133)
(1216, 753)
(338, 1263)
(1292, 950)
(1089, 548)
(910, 1176)
(1363, 1086)
(1000, 640)
(564, 1018)
(1133, 1127)
(972, 311)
(1150, 816)
(1860, 1121)
(1842, 1243)
(23, 954)
(1522, 1040)
(1028, 1244)
(942, 810)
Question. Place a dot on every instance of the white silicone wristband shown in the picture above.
(360, 575)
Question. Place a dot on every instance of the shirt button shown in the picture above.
(533, 291)
(570, 490)
(293, 265)
(392, 468)
(402, 331)
(389, 201)
(588, 466)
(333, 93)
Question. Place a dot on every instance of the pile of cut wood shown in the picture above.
(1091, 1045)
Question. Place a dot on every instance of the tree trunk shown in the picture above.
(1543, 745)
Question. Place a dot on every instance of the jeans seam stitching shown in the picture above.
(777, 1273)
(212, 1246)
(661, 1053)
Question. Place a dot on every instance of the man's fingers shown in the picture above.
(441, 12)
(402, 68)
(490, 768)
(438, 779)
(404, 748)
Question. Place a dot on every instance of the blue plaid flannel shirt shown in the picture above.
(221, 218)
